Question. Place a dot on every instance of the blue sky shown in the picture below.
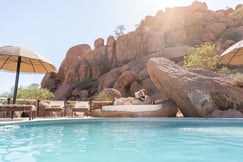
(51, 27)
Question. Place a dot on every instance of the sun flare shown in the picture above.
(171, 3)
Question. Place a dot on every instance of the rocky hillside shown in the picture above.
(121, 63)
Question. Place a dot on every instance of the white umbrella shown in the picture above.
(21, 59)
(233, 55)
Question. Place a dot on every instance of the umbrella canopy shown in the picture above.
(20, 59)
(233, 55)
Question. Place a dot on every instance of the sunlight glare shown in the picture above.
(172, 3)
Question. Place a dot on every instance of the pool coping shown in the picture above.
(26, 121)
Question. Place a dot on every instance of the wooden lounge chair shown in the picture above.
(81, 106)
(56, 106)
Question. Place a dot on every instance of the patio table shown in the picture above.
(15, 107)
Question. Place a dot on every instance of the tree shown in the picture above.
(31, 92)
(202, 56)
(34, 92)
(119, 30)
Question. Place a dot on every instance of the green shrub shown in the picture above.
(234, 35)
(33, 92)
(202, 56)
(103, 96)
(223, 70)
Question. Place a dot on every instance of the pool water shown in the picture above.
(123, 140)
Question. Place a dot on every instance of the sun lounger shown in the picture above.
(16, 107)
(81, 106)
(56, 106)
(133, 108)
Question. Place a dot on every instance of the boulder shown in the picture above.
(216, 28)
(176, 53)
(65, 67)
(75, 66)
(227, 44)
(196, 95)
(63, 92)
(143, 74)
(99, 42)
(108, 79)
(74, 74)
(230, 113)
(79, 50)
(128, 47)
(125, 80)
(99, 62)
(152, 91)
(153, 41)
(199, 6)
(238, 6)
(110, 41)
(176, 37)
(49, 81)
(110, 50)
(84, 94)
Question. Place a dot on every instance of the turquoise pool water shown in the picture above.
(123, 140)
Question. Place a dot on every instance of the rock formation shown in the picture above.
(196, 95)
(121, 62)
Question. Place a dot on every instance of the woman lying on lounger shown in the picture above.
(141, 95)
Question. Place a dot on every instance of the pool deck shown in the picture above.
(21, 120)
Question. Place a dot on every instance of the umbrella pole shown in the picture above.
(16, 79)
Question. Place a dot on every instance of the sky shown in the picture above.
(51, 27)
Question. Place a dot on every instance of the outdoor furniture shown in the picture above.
(56, 106)
(132, 108)
(14, 107)
(81, 106)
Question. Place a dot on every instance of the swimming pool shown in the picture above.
(123, 140)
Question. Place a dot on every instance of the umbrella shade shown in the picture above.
(233, 55)
(30, 61)
(20, 59)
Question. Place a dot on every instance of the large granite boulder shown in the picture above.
(128, 47)
(196, 95)
(99, 42)
(124, 80)
(63, 92)
(108, 79)
(81, 50)
(50, 81)
(176, 53)
(74, 74)
(100, 62)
